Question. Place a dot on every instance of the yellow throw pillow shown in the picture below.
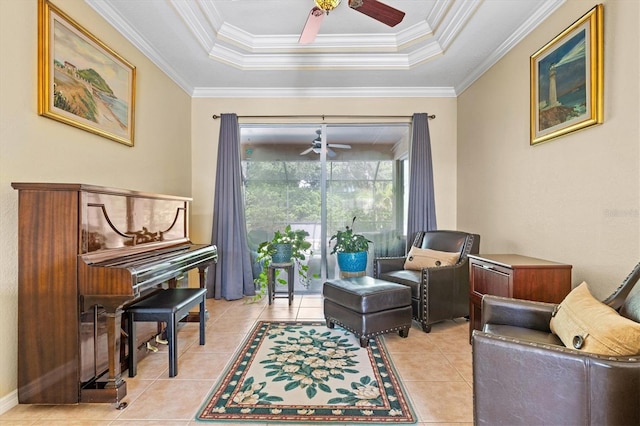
(419, 258)
(584, 323)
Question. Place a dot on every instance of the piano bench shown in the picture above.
(168, 306)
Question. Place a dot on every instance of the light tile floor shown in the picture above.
(435, 369)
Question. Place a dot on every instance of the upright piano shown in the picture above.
(84, 253)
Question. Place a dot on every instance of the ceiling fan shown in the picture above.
(316, 146)
(372, 8)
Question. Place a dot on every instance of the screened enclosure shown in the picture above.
(318, 178)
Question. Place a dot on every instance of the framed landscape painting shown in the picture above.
(81, 81)
(567, 80)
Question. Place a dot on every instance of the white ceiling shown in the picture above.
(249, 48)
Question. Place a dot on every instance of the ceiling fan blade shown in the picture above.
(312, 26)
(339, 145)
(378, 11)
(306, 151)
(330, 152)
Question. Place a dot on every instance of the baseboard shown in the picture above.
(8, 402)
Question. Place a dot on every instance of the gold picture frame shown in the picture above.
(81, 81)
(567, 80)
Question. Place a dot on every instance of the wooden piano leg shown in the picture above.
(114, 324)
(202, 271)
(114, 389)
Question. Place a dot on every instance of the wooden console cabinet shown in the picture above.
(513, 275)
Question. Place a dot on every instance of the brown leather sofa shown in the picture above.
(524, 375)
(437, 293)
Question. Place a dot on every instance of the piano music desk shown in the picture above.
(168, 306)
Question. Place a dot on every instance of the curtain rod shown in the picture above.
(432, 116)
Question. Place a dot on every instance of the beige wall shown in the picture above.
(205, 132)
(574, 199)
(34, 148)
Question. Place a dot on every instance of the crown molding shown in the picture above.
(203, 24)
(353, 43)
(322, 61)
(518, 35)
(324, 92)
(454, 21)
(108, 13)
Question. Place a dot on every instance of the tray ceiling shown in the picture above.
(237, 48)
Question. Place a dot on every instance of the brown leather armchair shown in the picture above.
(437, 293)
(524, 375)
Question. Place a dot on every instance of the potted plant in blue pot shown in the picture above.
(351, 249)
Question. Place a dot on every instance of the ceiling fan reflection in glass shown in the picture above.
(316, 146)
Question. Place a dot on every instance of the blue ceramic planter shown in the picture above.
(282, 254)
(352, 262)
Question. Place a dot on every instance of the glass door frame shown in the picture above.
(324, 135)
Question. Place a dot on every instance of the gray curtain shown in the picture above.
(233, 277)
(422, 208)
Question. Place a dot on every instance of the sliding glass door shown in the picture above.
(318, 178)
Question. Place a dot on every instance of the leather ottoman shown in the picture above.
(367, 306)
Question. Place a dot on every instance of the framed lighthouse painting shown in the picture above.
(566, 80)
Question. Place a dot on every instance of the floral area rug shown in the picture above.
(298, 372)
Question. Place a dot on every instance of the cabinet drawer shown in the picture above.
(488, 280)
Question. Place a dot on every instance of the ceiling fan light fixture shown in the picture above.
(327, 5)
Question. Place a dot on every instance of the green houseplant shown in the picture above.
(351, 249)
(271, 251)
